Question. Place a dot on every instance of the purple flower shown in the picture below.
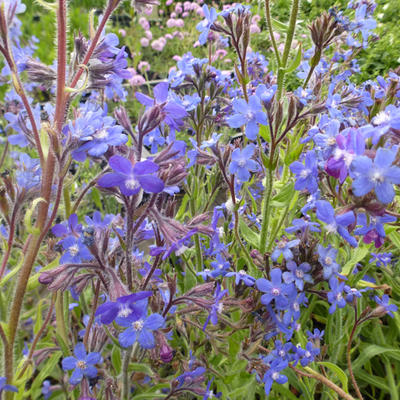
(384, 303)
(76, 251)
(274, 375)
(82, 363)
(373, 228)
(297, 274)
(131, 178)
(241, 276)
(173, 111)
(275, 290)
(307, 173)
(335, 296)
(123, 307)
(71, 227)
(283, 248)
(221, 266)
(242, 164)
(205, 25)
(378, 175)
(216, 306)
(301, 224)
(4, 386)
(249, 114)
(307, 355)
(348, 147)
(327, 258)
(140, 330)
(326, 213)
(382, 259)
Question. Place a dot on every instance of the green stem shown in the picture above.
(266, 209)
(60, 321)
(278, 227)
(271, 32)
(288, 43)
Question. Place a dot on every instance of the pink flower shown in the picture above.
(148, 10)
(149, 35)
(144, 23)
(176, 58)
(144, 66)
(178, 8)
(137, 80)
(122, 32)
(159, 44)
(254, 28)
(185, 14)
(144, 42)
(168, 36)
(173, 14)
(169, 2)
(255, 19)
(178, 34)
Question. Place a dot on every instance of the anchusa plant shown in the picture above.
(237, 237)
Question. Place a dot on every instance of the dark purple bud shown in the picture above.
(166, 353)
(39, 72)
(150, 119)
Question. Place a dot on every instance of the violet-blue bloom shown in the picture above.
(249, 114)
(274, 375)
(327, 258)
(297, 274)
(205, 25)
(82, 364)
(131, 178)
(384, 303)
(339, 223)
(242, 164)
(123, 307)
(307, 173)
(335, 295)
(373, 228)
(5, 387)
(216, 307)
(283, 248)
(140, 330)
(76, 251)
(378, 175)
(242, 276)
(275, 289)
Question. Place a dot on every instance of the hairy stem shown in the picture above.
(352, 377)
(271, 32)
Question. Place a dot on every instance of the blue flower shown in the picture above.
(154, 139)
(327, 258)
(373, 228)
(384, 303)
(4, 386)
(76, 251)
(274, 375)
(301, 224)
(205, 25)
(140, 330)
(82, 364)
(307, 355)
(249, 114)
(382, 259)
(297, 274)
(307, 173)
(242, 164)
(131, 178)
(326, 213)
(216, 307)
(123, 307)
(283, 248)
(378, 175)
(46, 389)
(335, 296)
(221, 266)
(29, 173)
(275, 290)
(241, 276)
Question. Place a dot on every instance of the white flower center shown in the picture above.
(81, 365)
(242, 272)
(124, 312)
(281, 245)
(73, 250)
(131, 183)
(307, 354)
(220, 308)
(331, 141)
(328, 260)
(275, 376)
(377, 177)
(339, 297)
(275, 291)
(250, 115)
(242, 163)
(330, 228)
(138, 325)
(381, 118)
(101, 134)
(305, 172)
(299, 273)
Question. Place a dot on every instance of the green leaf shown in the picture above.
(395, 238)
(33, 282)
(138, 367)
(28, 216)
(373, 350)
(39, 319)
(296, 62)
(339, 373)
(358, 255)
(116, 359)
(279, 26)
(248, 234)
(47, 370)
